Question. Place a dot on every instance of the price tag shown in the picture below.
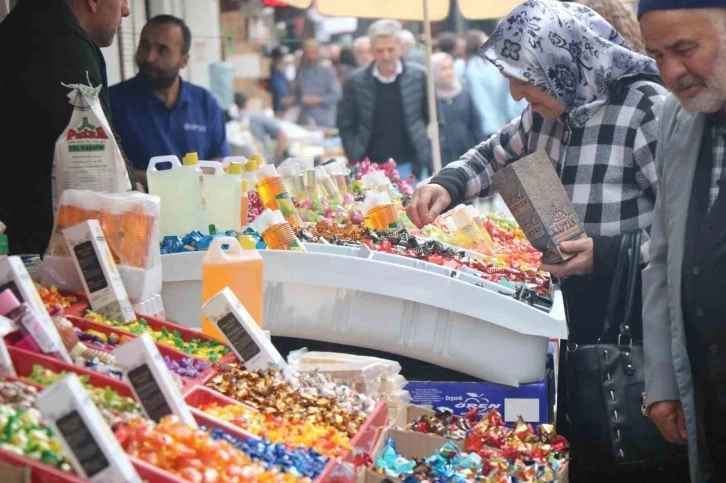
(151, 381)
(6, 363)
(241, 331)
(87, 440)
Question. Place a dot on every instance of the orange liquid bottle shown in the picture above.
(380, 213)
(240, 270)
(274, 195)
(276, 231)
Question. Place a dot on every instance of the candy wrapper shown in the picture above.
(194, 241)
(445, 423)
(130, 223)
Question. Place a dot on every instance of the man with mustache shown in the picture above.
(158, 113)
(684, 293)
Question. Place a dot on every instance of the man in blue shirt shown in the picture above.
(157, 113)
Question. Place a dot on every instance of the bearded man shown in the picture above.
(157, 113)
(684, 293)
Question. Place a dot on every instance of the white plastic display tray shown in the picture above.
(389, 303)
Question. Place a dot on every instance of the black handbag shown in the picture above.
(610, 431)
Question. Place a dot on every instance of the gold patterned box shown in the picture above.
(534, 194)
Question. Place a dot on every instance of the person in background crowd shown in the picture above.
(334, 50)
(279, 86)
(600, 134)
(347, 65)
(684, 292)
(489, 90)
(411, 52)
(460, 125)
(156, 112)
(317, 89)
(372, 120)
(446, 43)
(362, 51)
(44, 46)
(621, 17)
(263, 128)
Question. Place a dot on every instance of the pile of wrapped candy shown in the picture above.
(55, 301)
(445, 423)
(315, 400)
(208, 349)
(194, 241)
(404, 186)
(198, 455)
(402, 242)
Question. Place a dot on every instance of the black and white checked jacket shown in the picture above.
(606, 162)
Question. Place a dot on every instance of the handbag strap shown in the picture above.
(614, 295)
(625, 332)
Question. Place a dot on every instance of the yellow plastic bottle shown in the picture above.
(240, 270)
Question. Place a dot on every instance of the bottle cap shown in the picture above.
(307, 164)
(267, 219)
(247, 242)
(234, 167)
(290, 170)
(267, 171)
(321, 174)
(190, 159)
(8, 302)
(374, 199)
(373, 180)
(251, 165)
(258, 159)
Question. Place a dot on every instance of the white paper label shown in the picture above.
(6, 363)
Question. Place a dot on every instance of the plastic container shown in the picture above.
(326, 185)
(180, 190)
(293, 178)
(377, 182)
(24, 362)
(223, 195)
(276, 231)
(235, 169)
(227, 161)
(307, 168)
(336, 171)
(240, 270)
(274, 195)
(38, 337)
(164, 350)
(379, 211)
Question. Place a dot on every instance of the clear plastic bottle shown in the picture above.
(180, 190)
(293, 178)
(326, 185)
(43, 340)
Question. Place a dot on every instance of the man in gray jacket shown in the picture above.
(317, 89)
(684, 287)
(384, 113)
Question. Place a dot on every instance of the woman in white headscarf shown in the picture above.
(459, 121)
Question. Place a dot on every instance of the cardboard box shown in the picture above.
(412, 445)
(534, 402)
(534, 194)
(233, 27)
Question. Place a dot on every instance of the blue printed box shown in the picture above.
(534, 402)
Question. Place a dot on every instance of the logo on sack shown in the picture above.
(86, 131)
(474, 400)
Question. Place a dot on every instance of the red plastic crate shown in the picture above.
(186, 334)
(39, 472)
(152, 474)
(164, 350)
(24, 361)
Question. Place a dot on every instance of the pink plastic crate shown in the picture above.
(173, 354)
(24, 361)
(39, 472)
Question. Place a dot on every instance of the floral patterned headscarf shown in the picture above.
(567, 51)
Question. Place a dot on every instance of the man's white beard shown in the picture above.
(713, 97)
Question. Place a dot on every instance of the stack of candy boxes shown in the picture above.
(324, 455)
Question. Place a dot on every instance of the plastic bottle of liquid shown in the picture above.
(326, 185)
(250, 172)
(180, 190)
(336, 173)
(274, 195)
(307, 167)
(41, 339)
(293, 178)
(235, 169)
(223, 193)
(276, 231)
(240, 270)
(463, 226)
(379, 211)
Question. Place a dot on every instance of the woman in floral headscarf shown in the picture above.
(593, 108)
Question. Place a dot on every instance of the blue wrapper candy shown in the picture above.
(204, 243)
(187, 248)
(301, 462)
(192, 238)
(392, 463)
(231, 233)
(171, 244)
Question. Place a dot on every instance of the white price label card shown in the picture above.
(88, 442)
(6, 363)
(151, 381)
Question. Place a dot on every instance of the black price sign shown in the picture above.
(82, 443)
(243, 343)
(90, 267)
(149, 393)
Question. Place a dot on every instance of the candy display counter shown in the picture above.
(378, 301)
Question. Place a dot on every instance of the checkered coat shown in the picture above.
(606, 161)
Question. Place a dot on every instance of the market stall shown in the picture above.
(149, 353)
